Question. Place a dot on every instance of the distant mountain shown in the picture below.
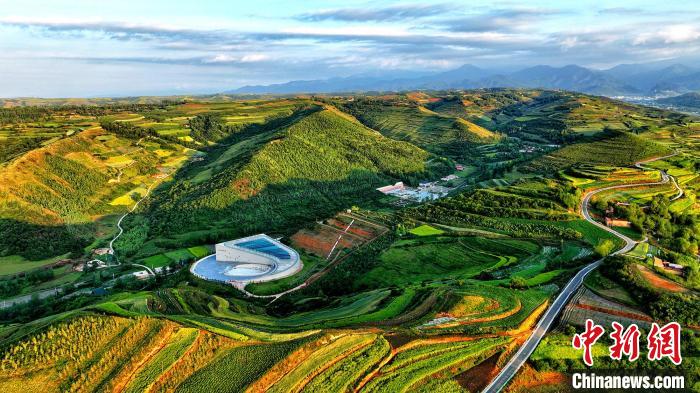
(625, 79)
(456, 78)
(574, 78)
(688, 100)
(678, 84)
(654, 80)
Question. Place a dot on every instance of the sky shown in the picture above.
(82, 48)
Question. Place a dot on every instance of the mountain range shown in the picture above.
(654, 79)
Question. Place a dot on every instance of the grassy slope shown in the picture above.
(613, 148)
(68, 183)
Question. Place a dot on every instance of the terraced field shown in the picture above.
(431, 296)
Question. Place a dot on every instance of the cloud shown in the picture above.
(500, 20)
(121, 30)
(229, 59)
(621, 11)
(385, 14)
(670, 34)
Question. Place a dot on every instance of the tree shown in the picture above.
(518, 282)
(604, 247)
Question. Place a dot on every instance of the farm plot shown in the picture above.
(586, 304)
(438, 257)
(415, 366)
(337, 235)
(234, 370)
(365, 307)
(321, 360)
(108, 351)
(144, 377)
(346, 372)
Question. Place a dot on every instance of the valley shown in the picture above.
(554, 202)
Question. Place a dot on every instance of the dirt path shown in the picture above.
(660, 282)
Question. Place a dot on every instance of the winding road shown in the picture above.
(119, 223)
(524, 352)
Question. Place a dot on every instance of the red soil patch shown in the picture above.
(319, 241)
(476, 378)
(529, 378)
(354, 229)
(659, 282)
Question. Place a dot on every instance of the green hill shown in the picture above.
(418, 125)
(51, 196)
(617, 148)
(276, 179)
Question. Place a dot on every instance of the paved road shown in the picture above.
(520, 357)
(26, 298)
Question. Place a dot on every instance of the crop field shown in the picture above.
(410, 370)
(608, 289)
(15, 264)
(368, 307)
(336, 235)
(366, 362)
(589, 177)
(640, 195)
(424, 128)
(428, 258)
(233, 370)
(494, 308)
(588, 304)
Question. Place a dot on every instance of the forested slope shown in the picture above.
(277, 179)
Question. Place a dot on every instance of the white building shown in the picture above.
(255, 258)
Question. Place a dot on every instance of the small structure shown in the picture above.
(99, 291)
(399, 186)
(459, 167)
(141, 275)
(450, 177)
(102, 251)
(528, 149)
(660, 263)
(674, 266)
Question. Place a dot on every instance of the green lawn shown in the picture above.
(159, 260)
(426, 230)
(640, 250)
(14, 264)
(179, 255)
(200, 251)
(543, 278)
